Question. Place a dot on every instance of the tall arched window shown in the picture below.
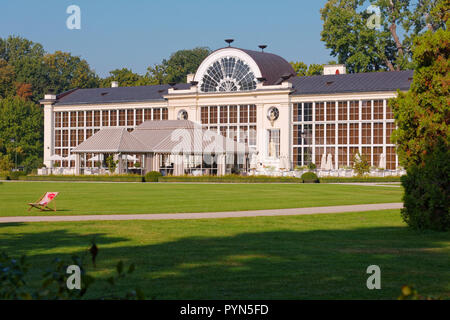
(228, 74)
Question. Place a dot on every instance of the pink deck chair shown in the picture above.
(43, 202)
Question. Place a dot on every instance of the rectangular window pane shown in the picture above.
(130, 117)
(223, 114)
(389, 113)
(105, 118)
(366, 133)
(65, 119)
(378, 109)
(65, 138)
(138, 116)
(73, 138)
(80, 136)
(320, 134)
(252, 136)
(378, 133)
(204, 115)
(297, 156)
(331, 134)
(57, 119)
(307, 134)
(320, 111)
(88, 118)
(297, 112)
(377, 151)
(353, 151)
(274, 143)
(366, 110)
(156, 114)
(342, 110)
(297, 134)
(233, 114)
(342, 156)
(307, 110)
(390, 126)
(147, 114)
(73, 119)
(390, 158)
(113, 118)
(331, 111)
(252, 114)
(164, 114)
(354, 133)
(57, 138)
(342, 133)
(80, 119)
(213, 115)
(121, 117)
(354, 110)
(97, 118)
(243, 114)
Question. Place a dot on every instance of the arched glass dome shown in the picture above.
(228, 74)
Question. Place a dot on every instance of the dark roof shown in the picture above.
(272, 67)
(353, 82)
(119, 94)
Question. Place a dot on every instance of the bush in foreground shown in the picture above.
(310, 177)
(152, 176)
(427, 196)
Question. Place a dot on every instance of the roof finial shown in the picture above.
(229, 41)
(262, 47)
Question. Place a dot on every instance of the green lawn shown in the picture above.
(134, 198)
(297, 257)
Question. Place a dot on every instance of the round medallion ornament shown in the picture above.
(273, 113)
(182, 115)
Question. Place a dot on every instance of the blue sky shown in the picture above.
(137, 33)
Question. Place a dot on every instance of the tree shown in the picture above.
(125, 77)
(179, 65)
(302, 69)
(363, 47)
(423, 135)
(7, 76)
(68, 72)
(21, 131)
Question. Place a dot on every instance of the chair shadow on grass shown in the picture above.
(284, 264)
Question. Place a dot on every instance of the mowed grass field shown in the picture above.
(297, 257)
(136, 198)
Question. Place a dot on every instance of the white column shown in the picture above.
(77, 164)
(48, 134)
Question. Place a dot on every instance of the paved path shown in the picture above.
(206, 215)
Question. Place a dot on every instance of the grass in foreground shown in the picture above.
(300, 257)
(135, 198)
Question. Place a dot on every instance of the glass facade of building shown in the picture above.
(73, 127)
(342, 129)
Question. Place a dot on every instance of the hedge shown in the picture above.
(230, 179)
(106, 178)
(359, 179)
(212, 179)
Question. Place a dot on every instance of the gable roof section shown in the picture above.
(117, 95)
(112, 140)
(352, 82)
(167, 136)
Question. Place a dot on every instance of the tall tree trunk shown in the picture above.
(390, 65)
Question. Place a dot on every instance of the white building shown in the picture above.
(251, 97)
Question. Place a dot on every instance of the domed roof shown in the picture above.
(272, 66)
(234, 69)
